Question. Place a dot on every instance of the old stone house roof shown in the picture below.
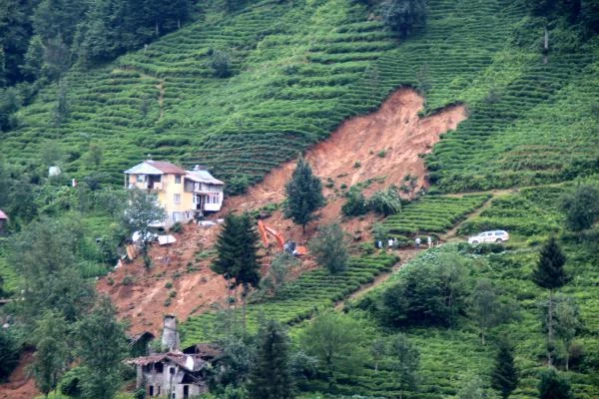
(188, 362)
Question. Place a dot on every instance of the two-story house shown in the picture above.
(183, 194)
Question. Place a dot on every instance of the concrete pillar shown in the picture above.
(170, 335)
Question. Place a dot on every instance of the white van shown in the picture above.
(497, 236)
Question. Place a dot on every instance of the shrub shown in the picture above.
(385, 202)
(220, 64)
(168, 285)
(172, 294)
(237, 185)
(128, 279)
(356, 203)
(176, 228)
(581, 208)
(167, 302)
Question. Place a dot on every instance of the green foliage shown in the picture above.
(101, 344)
(431, 293)
(550, 273)
(567, 324)
(504, 376)
(9, 354)
(52, 351)
(330, 248)
(220, 63)
(304, 194)
(237, 246)
(278, 272)
(406, 362)
(271, 375)
(337, 341)
(554, 386)
(70, 384)
(403, 16)
(582, 208)
(355, 205)
(141, 212)
(385, 202)
(44, 254)
(487, 309)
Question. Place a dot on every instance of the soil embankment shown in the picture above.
(382, 147)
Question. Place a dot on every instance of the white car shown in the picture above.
(497, 236)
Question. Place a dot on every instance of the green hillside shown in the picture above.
(298, 71)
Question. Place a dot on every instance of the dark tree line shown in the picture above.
(43, 38)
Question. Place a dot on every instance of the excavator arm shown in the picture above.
(264, 229)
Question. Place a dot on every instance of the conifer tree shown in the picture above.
(550, 274)
(237, 260)
(304, 194)
(271, 374)
(504, 376)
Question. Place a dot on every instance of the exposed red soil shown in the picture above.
(20, 384)
(395, 129)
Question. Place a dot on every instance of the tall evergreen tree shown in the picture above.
(271, 374)
(237, 260)
(504, 376)
(304, 194)
(101, 346)
(550, 275)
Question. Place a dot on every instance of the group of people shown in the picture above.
(393, 243)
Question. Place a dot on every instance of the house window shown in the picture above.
(171, 370)
(185, 391)
(177, 179)
(158, 367)
(151, 390)
(141, 178)
(177, 199)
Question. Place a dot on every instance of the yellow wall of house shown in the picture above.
(166, 196)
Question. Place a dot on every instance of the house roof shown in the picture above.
(203, 176)
(151, 167)
(3, 215)
(205, 351)
(187, 362)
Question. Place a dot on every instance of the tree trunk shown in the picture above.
(567, 357)
(550, 331)
(482, 336)
(157, 29)
(243, 304)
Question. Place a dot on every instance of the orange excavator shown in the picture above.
(289, 246)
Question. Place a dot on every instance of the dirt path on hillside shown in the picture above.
(382, 147)
(20, 384)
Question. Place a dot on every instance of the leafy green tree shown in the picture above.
(95, 153)
(15, 31)
(550, 275)
(337, 341)
(378, 350)
(380, 233)
(271, 375)
(9, 354)
(45, 255)
(235, 365)
(567, 324)
(52, 351)
(330, 248)
(304, 194)
(472, 389)
(486, 308)
(34, 59)
(9, 104)
(237, 248)
(504, 376)
(406, 361)
(62, 109)
(142, 212)
(101, 345)
(402, 16)
(554, 386)
(435, 292)
(582, 208)
(278, 272)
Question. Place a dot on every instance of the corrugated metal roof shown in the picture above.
(203, 176)
(150, 167)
